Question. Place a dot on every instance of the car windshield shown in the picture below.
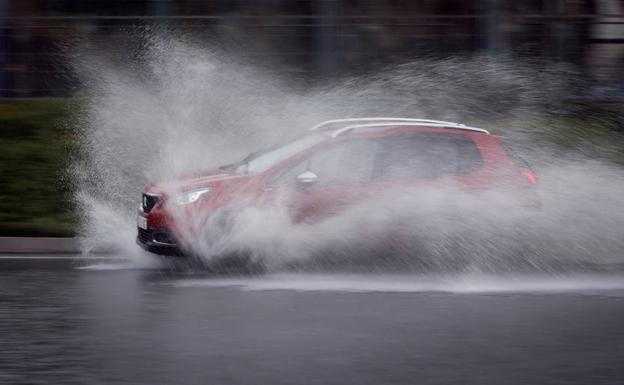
(261, 161)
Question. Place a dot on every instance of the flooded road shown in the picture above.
(105, 325)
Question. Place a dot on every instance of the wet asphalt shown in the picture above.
(107, 324)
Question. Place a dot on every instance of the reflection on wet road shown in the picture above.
(107, 326)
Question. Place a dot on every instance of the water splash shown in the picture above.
(588, 284)
(174, 107)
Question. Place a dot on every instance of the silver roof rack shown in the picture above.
(379, 119)
(456, 126)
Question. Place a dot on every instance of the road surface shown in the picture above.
(106, 324)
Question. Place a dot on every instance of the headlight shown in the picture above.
(188, 197)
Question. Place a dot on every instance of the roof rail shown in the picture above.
(456, 126)
(378, 119)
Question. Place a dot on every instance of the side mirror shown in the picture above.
(307, 178)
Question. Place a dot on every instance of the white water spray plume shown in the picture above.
(170, 107)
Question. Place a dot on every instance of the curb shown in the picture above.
(28, 245)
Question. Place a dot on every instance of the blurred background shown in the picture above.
(317, 40)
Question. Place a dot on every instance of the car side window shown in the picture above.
(426, 155)
(349, 161)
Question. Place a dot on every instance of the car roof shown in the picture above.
(379, 128)
(341, 126)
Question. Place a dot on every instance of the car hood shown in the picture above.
(215, 180)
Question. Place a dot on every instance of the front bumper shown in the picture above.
(158, 241)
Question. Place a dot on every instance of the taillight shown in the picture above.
(530, 175)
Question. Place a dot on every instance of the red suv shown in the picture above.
(339, 163)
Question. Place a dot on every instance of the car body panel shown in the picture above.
(315, 202)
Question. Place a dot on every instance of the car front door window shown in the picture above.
(346, 162)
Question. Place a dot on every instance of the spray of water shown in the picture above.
(170, 107)
(592, 284)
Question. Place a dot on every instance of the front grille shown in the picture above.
(144, 235)
(148, 202)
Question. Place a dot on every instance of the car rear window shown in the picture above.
(426, 155)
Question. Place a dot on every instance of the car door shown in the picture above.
(328, 180)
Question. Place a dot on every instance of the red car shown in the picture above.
(338, 164)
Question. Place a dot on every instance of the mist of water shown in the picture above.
(172, 107)
(410, 283)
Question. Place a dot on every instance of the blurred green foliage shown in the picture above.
(35, 145)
